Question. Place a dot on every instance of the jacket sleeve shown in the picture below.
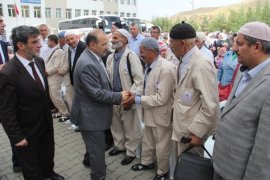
(64, 66)
(137, 74)
(57, 56)
(8, 112)
(205, 82)
(258, 165)
(91, 84)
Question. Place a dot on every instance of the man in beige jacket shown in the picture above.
(157, 101)
(54, 79)
(126, 126)
(196, 105)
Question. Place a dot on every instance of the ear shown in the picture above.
(20, 45)
(258, 47)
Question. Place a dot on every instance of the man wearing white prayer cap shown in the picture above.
(242, 147)
(125, 74)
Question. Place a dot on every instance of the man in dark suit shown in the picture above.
(25, 106)
(93, 100)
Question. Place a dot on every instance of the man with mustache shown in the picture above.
(126, 126)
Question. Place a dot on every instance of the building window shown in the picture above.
(108, 12)
(58, 13)
(116, 1)
(122, 1)
(37, 12)
(122, 14)
(101, 13)
(94, 12)
(25, 11)
(128, 14)
(86, 12)
(1, 9)
(128, 2)
(77, 12)
(68, 13)
(115, 13)
(134, 15)
(134, 2)
(11, 11)
(48, 12)
(108, 0)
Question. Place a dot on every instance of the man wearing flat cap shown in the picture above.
(242, 147)
(196, 104)
(125, 73)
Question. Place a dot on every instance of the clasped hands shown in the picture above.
(128, 99)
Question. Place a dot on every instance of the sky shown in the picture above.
(147, 9)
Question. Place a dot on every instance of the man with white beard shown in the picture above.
(125, 74)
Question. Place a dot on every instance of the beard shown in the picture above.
(117, 45)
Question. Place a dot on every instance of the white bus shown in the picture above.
(82, 24)
(110, 19)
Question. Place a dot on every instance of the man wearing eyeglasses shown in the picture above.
(25, 106)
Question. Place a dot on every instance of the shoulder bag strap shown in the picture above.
(129, 69)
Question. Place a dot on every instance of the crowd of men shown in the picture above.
(115, 83)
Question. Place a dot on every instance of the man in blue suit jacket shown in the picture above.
(3, 45)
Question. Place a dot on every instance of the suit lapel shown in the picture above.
(41, 70)
(256, 81)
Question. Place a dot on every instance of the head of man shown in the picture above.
(149, 50)
(2, 26)
(115, 26)
(61, 38)
(120, 39)
(97, 42)
(200, 39)
(182, 39)
(26, 42)
(72, 38)
(253, 44)
(134, 30)
(44, 30)
(52, 41)
(155, 32)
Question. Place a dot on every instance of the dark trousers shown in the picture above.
(36, 159)
(15, 160)
(95, 145)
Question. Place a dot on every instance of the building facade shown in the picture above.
(50, 12)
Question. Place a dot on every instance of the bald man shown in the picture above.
(126, 126)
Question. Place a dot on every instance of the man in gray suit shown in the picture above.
(242, 147)
(92, 106)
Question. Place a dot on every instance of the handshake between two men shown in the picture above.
(128, 99)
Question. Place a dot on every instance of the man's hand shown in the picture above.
(22, 143)
(125, 96)
(129, 102)
(1, 66)
(195, 140)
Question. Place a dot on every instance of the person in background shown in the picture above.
(25, 106)
(136, 38)
(54, 79)
(200, 43)
(44, 33)
(155, 33)
(242, 133)
(226, 72)
(61, 40)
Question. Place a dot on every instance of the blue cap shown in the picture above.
(61, 34)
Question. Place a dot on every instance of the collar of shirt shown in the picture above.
(139, 36)
(24, 61)
(73, 49)
(55, 47)
(152, 65)
(188, 55)
(97, 57)
(253, 72)
(119, 54)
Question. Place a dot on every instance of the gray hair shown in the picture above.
(265, 44)
(150, 43)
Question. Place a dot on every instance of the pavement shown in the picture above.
(69, 151)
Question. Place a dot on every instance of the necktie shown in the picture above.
(37, 79)
(147, 71)
(1, 60)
